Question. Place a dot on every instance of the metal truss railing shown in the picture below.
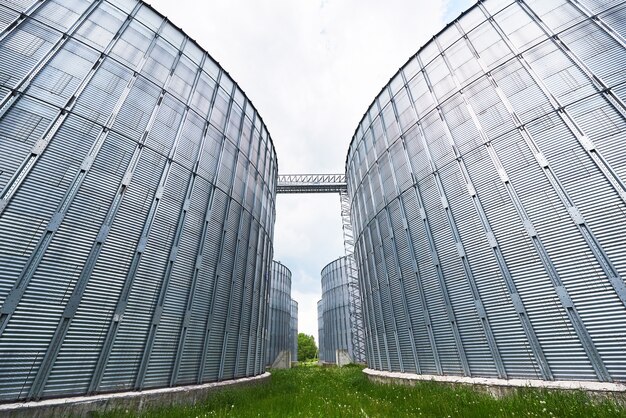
(311, 183)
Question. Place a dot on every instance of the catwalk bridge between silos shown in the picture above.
(312, 183)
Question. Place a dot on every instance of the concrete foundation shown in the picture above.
(342, 357)
(87, 406)
(502, 387)
(283, 360)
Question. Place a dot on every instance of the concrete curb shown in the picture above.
(503, 387)
(556, 384)
(84, 406)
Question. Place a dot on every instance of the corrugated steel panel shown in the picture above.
(278, 339)
(7, 17)
(334, 308)
(24, 49)
(320, 331)
(293, 330)
(614, 18)
(122, 259)
(597, 50)
(511, 123)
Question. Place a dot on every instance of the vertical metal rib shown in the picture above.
(13, 298)
(247, 247)
(124, 295)
(217, 275)
(227, 326)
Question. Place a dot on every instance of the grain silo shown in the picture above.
(320, 331)
(293, 331)
(336, 312)
(488, 195)
(137, 189)
(278, 352)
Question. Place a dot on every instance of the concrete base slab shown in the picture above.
(283, 360)
(342, 357)
(86, 406)
(502, 387)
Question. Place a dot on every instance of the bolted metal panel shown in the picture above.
(487, 190)
(279, 322)
(137, 190)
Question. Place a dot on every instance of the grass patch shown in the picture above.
(312, 391)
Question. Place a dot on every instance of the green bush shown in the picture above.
(307, 350)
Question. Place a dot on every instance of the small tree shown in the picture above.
(307, 349)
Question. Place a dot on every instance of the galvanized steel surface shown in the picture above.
(279, 320)
(293, 330)
(137, 187)
(337, 330)
(488, 185)
(320, 330)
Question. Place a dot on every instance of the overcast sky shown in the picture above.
(311, 68)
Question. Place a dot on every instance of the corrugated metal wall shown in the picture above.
(279, 320)
(293, 330)
(488, 185)
(137, 187)
(336, 309)
(320, 330)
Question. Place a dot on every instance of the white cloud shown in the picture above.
(311, 68)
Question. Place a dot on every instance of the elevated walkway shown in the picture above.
(311, 183)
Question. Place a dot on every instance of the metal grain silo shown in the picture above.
(137, 187)
(336, 311)
(278, 352)
(293, 330)
(320, 331)
(488, 186)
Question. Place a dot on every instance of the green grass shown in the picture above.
(312, 391)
